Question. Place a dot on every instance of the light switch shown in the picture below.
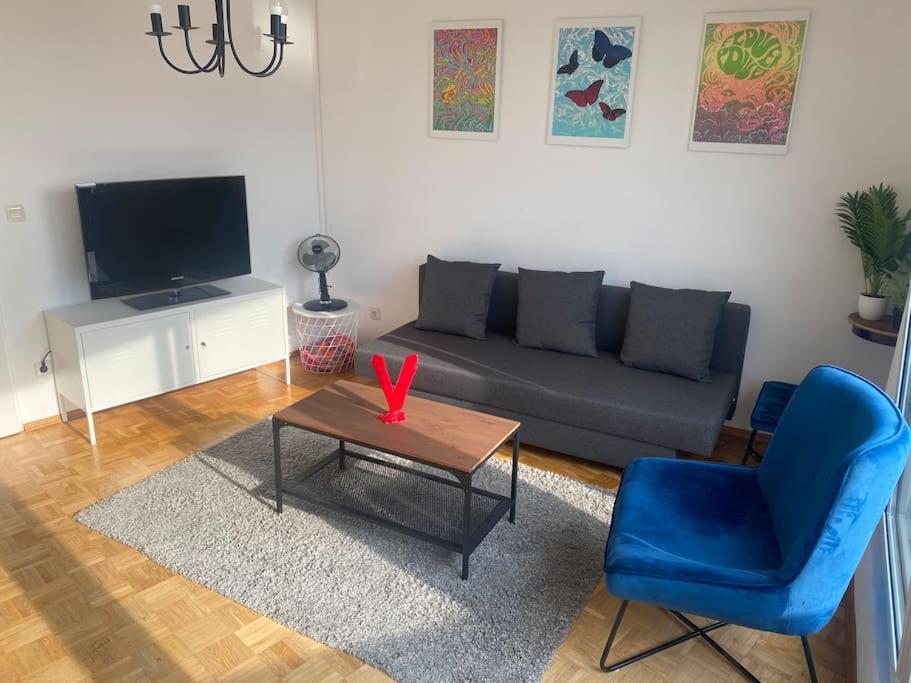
(15, 214)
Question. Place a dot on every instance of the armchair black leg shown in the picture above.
(652, 651)
(715, 646)
(809, 655)
(694, 632)
(750, 449)
(613, 634)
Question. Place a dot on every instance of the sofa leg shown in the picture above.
(809, 655)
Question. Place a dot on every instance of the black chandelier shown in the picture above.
(222, 38)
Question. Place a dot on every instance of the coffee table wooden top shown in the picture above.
(434, 433)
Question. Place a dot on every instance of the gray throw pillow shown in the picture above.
(456, 297)
(672, 330)
(557, 311)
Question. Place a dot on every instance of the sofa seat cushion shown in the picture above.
(598, 394)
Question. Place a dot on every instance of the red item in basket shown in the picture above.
(330, 354)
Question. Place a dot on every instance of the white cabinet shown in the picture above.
(238, 335)
(106, 354)
(136, 360)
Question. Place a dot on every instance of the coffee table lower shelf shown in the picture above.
(449, 513)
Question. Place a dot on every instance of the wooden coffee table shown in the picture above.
(419, 503)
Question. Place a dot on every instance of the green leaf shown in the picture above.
(872, 222)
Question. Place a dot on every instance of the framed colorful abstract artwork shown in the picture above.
(749, 67)
(465, 79)
(594, 70)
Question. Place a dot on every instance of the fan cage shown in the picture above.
(327, 344)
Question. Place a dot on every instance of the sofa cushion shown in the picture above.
(456, 297)
(557, 311)
(672, 330)
(599, 394)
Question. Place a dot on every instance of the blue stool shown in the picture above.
(773, 399)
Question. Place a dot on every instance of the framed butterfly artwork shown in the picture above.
(749, 66)
(465, 79)
(593, 77)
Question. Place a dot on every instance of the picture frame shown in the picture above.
(466, 59)
(586, 120)
(756, 53)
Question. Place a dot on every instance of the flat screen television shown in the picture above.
(153, 235)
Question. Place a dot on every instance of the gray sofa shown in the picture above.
(594, 408)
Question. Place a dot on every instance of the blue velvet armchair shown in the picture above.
(771, 548)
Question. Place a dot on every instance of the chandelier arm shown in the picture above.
(220, 38)
(260, 74)
(171, 64)
(275, 65)
(208, 66)
(281, 57)
(277, 51)
(213, 63)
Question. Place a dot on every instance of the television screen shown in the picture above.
(161, 234)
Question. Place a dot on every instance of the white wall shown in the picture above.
(86, 97)
(761, 226)
(10, 422)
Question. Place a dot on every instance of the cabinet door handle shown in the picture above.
(202, 344)
(188, 347)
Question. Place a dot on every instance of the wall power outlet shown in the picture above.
(47, 368)
(375, 314)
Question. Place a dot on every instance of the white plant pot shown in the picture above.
(871, 307)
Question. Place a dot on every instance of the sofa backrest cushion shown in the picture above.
(613, 308)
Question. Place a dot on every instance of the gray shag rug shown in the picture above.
(390, 600)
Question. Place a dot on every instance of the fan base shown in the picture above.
(331, 305)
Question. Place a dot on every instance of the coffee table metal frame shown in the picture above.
(471, 538)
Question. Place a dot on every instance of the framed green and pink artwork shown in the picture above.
(749, 67)
(465, 79)
(592, 80)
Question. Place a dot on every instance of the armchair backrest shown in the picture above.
(827, 476)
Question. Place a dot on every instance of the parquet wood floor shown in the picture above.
(76, 606)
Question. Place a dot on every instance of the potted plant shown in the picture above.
(871, 220)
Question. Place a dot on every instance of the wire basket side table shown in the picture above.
(327, 339)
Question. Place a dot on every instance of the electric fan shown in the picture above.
(320, 254)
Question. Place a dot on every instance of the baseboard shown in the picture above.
(52, 420)
(40, 424)
(762, 438)
(726, 430)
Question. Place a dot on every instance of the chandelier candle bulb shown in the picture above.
(157, 26)
(183, 15)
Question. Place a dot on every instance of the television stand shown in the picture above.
(107, 354)
(175, 297)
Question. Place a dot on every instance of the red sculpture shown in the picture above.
(395, 394)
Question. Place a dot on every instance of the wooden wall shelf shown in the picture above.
(877, 331)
